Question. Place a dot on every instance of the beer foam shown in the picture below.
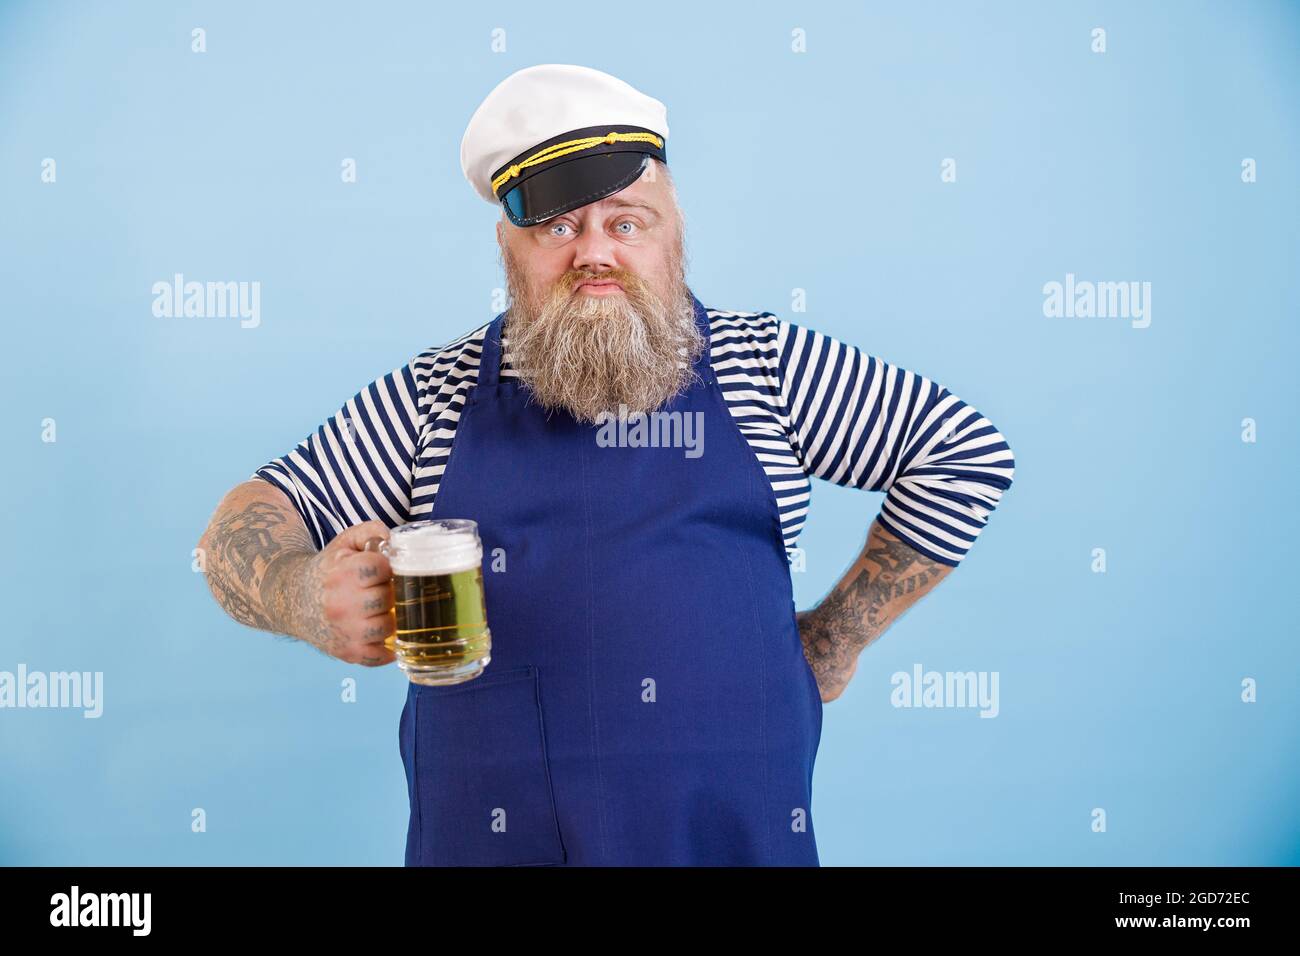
(434, 547)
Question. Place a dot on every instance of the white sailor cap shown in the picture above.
(554, 137)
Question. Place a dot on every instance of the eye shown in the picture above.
(550, 230)
(631, 229)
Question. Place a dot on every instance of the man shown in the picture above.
(652, 697)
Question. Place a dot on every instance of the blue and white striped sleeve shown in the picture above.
(357, 466)
(860, 422)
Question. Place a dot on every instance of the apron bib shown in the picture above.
(648, 701)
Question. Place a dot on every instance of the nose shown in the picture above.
(594, 251)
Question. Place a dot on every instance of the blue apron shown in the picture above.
(648, 701)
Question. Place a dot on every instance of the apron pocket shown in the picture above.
(482, 783)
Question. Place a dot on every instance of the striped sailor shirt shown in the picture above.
(807, 404)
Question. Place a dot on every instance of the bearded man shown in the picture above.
(652, 697)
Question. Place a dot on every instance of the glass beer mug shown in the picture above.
(442, 635)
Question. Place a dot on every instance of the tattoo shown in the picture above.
(903, 570)
(301, 604)
(252, 551)
(264, 570)
(883, 583)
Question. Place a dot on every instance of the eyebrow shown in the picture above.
(613, 203)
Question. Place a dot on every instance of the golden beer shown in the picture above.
(442, 635)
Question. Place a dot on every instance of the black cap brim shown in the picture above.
(566, 185)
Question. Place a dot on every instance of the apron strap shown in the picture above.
(704, 363)
(489, 365)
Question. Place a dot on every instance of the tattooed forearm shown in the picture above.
(255, 551)
(887, 578)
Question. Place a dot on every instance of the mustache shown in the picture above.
(568, 283)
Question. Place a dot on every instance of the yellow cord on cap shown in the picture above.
(572, 146)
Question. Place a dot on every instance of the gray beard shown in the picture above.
(591, 354)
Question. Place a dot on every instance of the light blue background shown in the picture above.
(816, 171)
